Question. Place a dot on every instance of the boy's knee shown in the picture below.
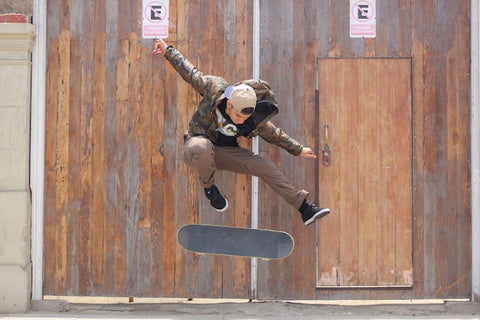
(197, 147)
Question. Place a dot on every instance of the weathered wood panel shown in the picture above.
(116, 190)
(441, 197)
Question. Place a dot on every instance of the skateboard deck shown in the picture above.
(235, 241)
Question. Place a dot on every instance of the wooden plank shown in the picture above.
(458, 91)
(462, 241)
(181, 181)
(386, 139)
(73, 179)
(347, 155)
(367, 180)
(50, 164)
(81, 150)
(329, 177)
(303, 173)
(439, 129)
(162, 251)
(213, 267)
(272, 209)
(168, 209)
(334, 26)
(145, 190)
(311, 125)
(271, 214)
(61, 223)
(386, 40)
(132, 163)
(120, 161)
(322, 19)
(104, 203)
(51, 104)
(434, 164)
(402, 114)
(404, 28)
(100, 260)
(419, 23)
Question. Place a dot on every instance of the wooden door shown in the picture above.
(367, 239)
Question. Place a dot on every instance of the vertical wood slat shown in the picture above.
(304, 126)
(80, 280)
(50, 147)
(74, 107)
(180, 180)
(460, 178)
(61, 163)
(106, 166)
(419, 101)
(403, 222)
(329, 180)
(348, 272)
(368, 193)
(387, 153)
(275, 212)
(100, 248)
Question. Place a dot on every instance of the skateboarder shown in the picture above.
(225, 113)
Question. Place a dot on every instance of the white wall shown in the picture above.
(16, 41)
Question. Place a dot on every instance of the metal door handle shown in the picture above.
(326, 153)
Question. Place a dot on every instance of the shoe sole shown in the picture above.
(224, 208)
(318, 215)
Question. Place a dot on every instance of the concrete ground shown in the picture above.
(245, 310)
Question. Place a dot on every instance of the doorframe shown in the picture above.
(474, 143)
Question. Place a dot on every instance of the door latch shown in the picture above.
(326, 153)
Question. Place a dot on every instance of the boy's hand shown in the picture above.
(308, 153)
(159, 46)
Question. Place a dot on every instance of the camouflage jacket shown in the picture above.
(211, 88)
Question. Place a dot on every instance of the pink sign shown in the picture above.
(362, 19)
(155, 19)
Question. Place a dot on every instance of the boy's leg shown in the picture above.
(244, 161)
(199, 154)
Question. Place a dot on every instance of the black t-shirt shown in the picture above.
(229, 131)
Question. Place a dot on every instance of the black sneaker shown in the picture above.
(218, 202)
(310, 212)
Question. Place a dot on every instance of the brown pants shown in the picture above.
(200, 154)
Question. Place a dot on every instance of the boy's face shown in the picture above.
(237, 117)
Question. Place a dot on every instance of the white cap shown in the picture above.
(242, 97)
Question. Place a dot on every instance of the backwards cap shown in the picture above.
(242, 97)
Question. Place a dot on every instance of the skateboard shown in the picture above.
(235, 241)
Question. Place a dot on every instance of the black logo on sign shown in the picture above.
(362, 12)
(156, 13)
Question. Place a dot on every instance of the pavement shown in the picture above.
(249, 310)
